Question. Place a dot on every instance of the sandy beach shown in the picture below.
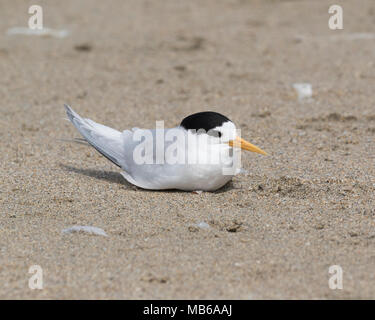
(272, 233)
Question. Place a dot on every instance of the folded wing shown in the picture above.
(104, 139)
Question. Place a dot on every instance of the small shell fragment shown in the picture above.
(37, 32)
(86, 229)
(304, 90)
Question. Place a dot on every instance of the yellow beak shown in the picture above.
(245, 145)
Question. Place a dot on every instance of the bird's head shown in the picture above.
(219, 128)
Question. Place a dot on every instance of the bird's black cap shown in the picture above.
(204, 120)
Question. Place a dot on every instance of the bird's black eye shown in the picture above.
(214, 133)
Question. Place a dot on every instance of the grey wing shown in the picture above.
(105, 140)
(150, 174)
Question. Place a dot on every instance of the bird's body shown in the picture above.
(168, 174)
(185, 162)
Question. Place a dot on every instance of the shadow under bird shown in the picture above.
(209, 135)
